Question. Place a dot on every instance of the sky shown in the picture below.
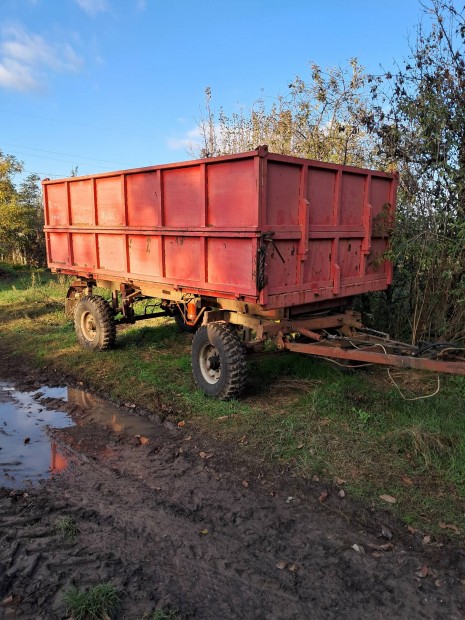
(114, 84)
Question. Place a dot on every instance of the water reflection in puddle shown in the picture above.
(110, 416)
(28, 453)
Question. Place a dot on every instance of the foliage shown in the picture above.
(98, 603)
(420, 123)
(66, 527)
(319, 119)
(21, 216)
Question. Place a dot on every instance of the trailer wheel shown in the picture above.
(218, 361)
(94, 323)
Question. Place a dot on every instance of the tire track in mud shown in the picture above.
(144, 512)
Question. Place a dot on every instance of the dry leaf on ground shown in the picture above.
(205, 455)
(388, 498)
(423, 572)
(449, 526)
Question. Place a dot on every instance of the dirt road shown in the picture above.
(177, 521)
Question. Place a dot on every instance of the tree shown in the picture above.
(319, 118)
(420, 122)
(21, 215)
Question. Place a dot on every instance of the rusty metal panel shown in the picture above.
(229, 262)
(56, 203)
(84, 250)
(144, 255)
(198, 226)
(182, 258)
(111, 250)
(183, 202)
(232, 195)
(59, 254)
(110, 206)
(282, 207)
(82, 203)
(143, 197)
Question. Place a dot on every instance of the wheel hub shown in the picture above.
(213, 362)
(210, 364)
(88, 326)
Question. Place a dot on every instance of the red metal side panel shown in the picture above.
(351, 200)
(321, 190)
(144, 255)
(232, 195)
(230, 261)
(282, 207)
(110, 205)
(183, 195)
(57, 204)
(58, 248)
(329, 230)
(111, 249)
(183, 259)
(84, 250)
(197, 226)
(81, 195)
(143, 199)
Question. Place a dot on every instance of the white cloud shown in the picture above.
(16, 76)
(93, 7)
(26, 58)
(190, 140)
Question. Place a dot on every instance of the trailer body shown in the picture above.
(266, 229)
(241, 250)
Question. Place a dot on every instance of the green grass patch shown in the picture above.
(67, 528)
(308, 414)
(97, 603)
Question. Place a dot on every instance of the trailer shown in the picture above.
(239, 249)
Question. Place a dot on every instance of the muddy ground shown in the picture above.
(178, 521)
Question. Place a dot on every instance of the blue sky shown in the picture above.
(112, 84)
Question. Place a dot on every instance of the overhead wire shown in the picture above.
(33, 148)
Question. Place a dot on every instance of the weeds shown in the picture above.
(98, 603)
(67, 528)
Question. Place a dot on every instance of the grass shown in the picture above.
(66, 527)
(303, 413)
(97, 603)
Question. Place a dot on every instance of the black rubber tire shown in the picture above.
(218, 361)
(94, 323)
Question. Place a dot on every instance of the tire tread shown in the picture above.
(103, 314)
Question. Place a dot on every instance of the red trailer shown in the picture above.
(240, 249)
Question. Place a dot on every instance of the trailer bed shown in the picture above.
(267, 229)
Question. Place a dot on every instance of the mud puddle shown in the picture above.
(29, 451)
(198, 529)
